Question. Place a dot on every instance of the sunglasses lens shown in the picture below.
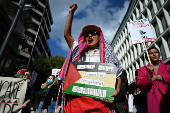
(93, 33)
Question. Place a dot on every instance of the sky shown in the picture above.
(107, 14)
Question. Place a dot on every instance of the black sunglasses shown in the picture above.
(93, 33)
(26, 74)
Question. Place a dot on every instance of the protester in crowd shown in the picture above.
(29, 96)
(91, 47)
(140, 98)
(125, 103)
(155, 78)
(120, 99)
(130, 102)
(42, 93)
(52, 98)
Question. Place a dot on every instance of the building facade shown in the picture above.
(38, 34)
(132, 56)
(33, 27)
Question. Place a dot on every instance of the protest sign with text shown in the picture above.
(12, 94)
(91, 79)
(34, 76)
(140, 31)
(55, 71)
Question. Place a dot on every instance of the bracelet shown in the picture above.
(150, 75)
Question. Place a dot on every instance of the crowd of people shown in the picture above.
(149, 94)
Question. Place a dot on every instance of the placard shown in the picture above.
(140, 31)
(91, 79)
(12, 94)
(55, 71)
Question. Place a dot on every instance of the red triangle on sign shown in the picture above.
(16, 102)
(72, 76)
(3, 101)
(9, 102)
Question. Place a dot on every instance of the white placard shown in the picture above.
(55, 71)
(140, 31)
(12, 94)
(34, 76)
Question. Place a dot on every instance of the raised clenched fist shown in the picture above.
(73, 7)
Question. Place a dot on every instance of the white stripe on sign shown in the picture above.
(89, 91)
(95, 74)
(85, 66)
(105, 68)
(92, 82)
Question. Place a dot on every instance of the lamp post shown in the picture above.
(35, 39)
(11, 29)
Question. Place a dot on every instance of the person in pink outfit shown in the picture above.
(155, 78)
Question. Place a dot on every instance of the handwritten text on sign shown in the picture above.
(12, 93)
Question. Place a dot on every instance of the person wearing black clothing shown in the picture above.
(29, 96)
(140, 98)
(42, 93)
(50, 100)
(120, 98)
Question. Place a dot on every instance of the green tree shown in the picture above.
(43, 66)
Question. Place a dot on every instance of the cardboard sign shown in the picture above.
(140, 31)
(12, 94)
(91, 79)
(34, 76)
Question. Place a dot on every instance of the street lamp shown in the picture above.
(35, 39)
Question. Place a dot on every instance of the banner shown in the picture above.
(34, 76)
(140, 31)
(91, 79)
(12, 94)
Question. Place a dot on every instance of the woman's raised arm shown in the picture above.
(67, 30)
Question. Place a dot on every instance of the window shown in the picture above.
(138, 63)
(143, 2)
(168, 9)
(158, 4)
(162, 50)
(6, 66)
(139, 10)
(141, 45)
(156, 29)
(135, 15)
(163, 20)
(136, 49)
(144, 63)
(146, 15)
(146, 44)
(167, 38)
(152, 11)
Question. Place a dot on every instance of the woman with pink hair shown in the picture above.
(91, 47)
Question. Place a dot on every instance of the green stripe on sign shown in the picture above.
(90, 91)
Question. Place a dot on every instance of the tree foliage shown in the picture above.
(43, 66)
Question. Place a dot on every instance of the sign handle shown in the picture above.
(147, 52)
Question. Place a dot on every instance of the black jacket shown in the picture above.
(38, 96)
(123, 88)
(30, 92)
(53, 94)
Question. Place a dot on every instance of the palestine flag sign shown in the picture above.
(91, 79)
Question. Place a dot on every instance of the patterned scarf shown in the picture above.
(106, 52)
